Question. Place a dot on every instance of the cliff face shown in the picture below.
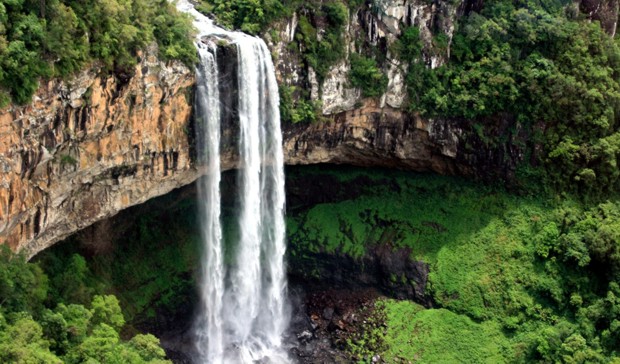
(377, 26)
(375, 136)
(90, 147)
(604, 11)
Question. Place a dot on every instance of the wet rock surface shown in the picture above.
(391, 272)
(325, 318)
(383, 267)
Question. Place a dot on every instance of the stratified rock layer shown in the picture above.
(374, 136)
(90, 147)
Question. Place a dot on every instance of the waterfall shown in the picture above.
(209, 325)
(244, 312)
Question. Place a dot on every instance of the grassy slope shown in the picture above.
(439, 335)
(498, 295)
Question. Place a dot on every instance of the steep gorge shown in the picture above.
(94, 145)
(89, 147)
(395, 249)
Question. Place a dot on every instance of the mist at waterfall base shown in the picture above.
(244, 311)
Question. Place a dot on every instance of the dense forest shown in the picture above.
(529, 274)
(39, 327)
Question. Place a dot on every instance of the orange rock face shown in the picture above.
(87, 148)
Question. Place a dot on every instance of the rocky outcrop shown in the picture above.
(87, 148)
(375, 136)
(604, 11)
(375, 25)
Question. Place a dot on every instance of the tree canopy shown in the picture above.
(37, 329)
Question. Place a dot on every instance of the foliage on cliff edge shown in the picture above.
(50, 38)
(541, 62)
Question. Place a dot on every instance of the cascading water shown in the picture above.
(209, 322)
(244, 310)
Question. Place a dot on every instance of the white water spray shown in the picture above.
(244, 311)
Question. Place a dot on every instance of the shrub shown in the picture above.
(365, 75)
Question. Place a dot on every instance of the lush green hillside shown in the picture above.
(516, 278)
(512, 278)
(542, 65)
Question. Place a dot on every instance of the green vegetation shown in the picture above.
(324, 53)
(409, 48)
(254, 16)
(41, 39)
(414, 217)
(518, 279)
(403, 330)
(301, 110)
(64, 308)
(36, 330)
(250, 16)
(543, 66)
(513, 279)
(367, 76)
(165, 239)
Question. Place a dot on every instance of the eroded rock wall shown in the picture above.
(92, 146)
(375, 136)
(89, 147)
(378, 25)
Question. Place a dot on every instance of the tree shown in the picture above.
(106, 310)
(23, 286)
(367, 76)
(23, 342)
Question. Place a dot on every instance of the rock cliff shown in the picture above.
(375, 25)
(374, 136)
(89, 147)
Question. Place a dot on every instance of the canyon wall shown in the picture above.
(89, 147)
